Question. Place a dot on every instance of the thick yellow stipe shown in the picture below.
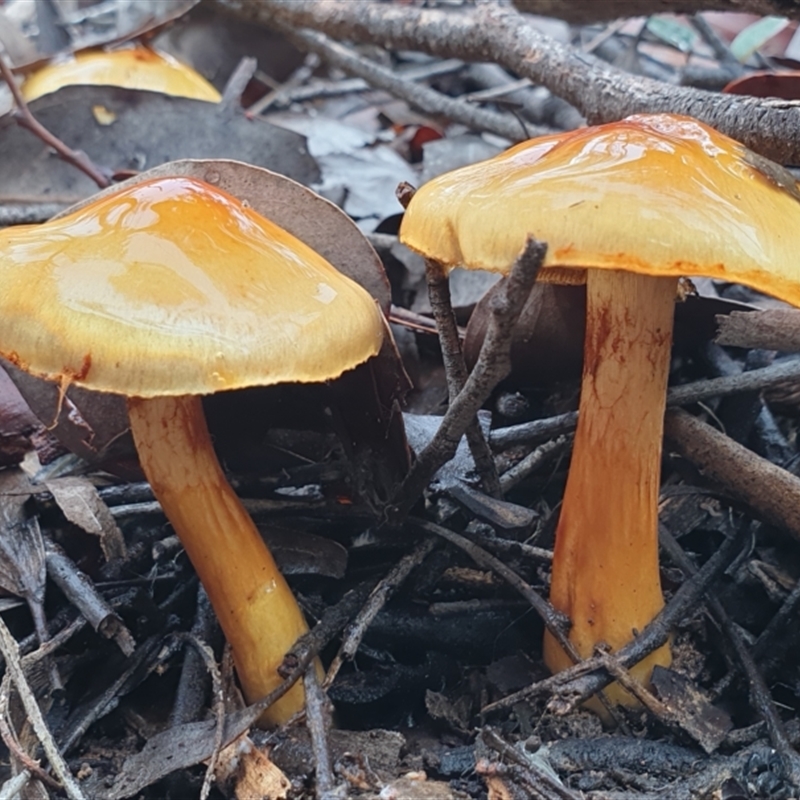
(254, 605)
(605, 566)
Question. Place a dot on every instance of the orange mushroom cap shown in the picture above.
(169, 289)
(173, 287)
(133, 68)
(653, 194)
(632, 205)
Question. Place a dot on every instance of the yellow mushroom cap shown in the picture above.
(172, 287)
(655, 194)
(135, 68)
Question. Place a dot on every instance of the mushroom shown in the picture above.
(636, 204)
(130, 68)
(164, 291)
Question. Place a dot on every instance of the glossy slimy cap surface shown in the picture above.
(173, 287)
(654, 194)
(136, 68)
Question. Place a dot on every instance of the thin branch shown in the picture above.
(493, 32)
(556, 622)
(25, 118)
(753, 380)
(421, 97)
(760, 697)
(11, 654)
(769, 489)
(318, 723)
(494, 363)
(376, 601)
(585, 11)
(576, 684)
(455, 368)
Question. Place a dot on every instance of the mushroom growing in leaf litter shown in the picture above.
(633, 206)
(130, 68)
(164, 291)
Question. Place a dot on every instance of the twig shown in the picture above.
(81, 593)
(578, 683)
(538, 776)
(767, 488)
(760, 696)
(11, 741)
(192, 686)
(11, 654)
(25, 118)
(533, 461)
(721, 50)
(218, 705)
(695, 392)
(493, 364)
(333, 621)
(495, 32)
(377, 600)
(333, 88)
(484, 537)
(318, 723)
(773, 329)
(423, 98)
(749, 381)
(236, 84)
(11, 789)
(297, 78)
(536, 431)
(456, 370)
(453, 358)
(556, 622)
(766, 642)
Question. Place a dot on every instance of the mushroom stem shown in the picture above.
(605, 564)
(255, 607)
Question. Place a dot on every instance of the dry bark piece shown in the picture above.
(773, 329)
(610, 201)
(80, 591)
(22, 556)
(767, 488)
(126, 295)
(691, 710)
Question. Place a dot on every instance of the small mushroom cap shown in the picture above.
(173, 287)
(133, 68)
(654, 194)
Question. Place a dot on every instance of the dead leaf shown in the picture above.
(22, 557)
(254, 775)
(81, 504)
(150, 129)
(704, 722)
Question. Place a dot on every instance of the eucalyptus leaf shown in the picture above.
(755, 36)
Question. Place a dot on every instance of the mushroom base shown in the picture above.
(605, 564)
(255, 607)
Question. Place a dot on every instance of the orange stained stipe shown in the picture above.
(655, 194)
(172, 286)
(133, 68)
